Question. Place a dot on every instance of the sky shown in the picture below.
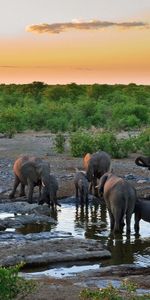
(81, 41)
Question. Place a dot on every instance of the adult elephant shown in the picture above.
(143, 161)
(31, 171)
(96, 165)
(120, 198)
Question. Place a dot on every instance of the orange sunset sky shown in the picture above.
(82, 41)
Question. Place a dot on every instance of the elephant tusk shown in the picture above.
(97, 186)
(43, 184)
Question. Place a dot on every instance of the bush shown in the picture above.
(83, 142)
(143, 142)
(60, 142)
(12, 285)
(127, 291)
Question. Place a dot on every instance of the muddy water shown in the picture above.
(92, 222)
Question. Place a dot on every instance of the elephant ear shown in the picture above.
(43, 171)
(28, 170)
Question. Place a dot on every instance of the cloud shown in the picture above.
(57, 28)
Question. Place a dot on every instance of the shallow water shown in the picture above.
(92, 222)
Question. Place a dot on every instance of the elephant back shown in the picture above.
(111, 182)
(99, 163)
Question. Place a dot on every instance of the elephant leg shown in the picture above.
(76, 191)
(86, 200)
(16, 183)
(40, 187)
(112, 220)
(22, 190)
(90, 187)
(136, 220)
(118, 213)
(30, 190)
(128, 221)
(94, 186)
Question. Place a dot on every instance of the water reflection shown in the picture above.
(92, 218)
(34, 228)
(92, 221)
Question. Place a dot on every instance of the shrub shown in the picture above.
(12, 285)
(83, 142)
(127, 291)
(59, 142)
(143, 142)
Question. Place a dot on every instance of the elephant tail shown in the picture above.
(102, 182)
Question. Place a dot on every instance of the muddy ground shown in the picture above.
(63, 166)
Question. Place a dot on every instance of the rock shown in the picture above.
(55, 250)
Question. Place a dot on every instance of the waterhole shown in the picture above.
(92, 222)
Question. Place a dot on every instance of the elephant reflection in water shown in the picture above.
(92, 217)
(121, 249)
(124, 250)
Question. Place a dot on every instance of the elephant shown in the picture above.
(50, 195)
(143, 161)
(120, 198)
(31, 171)
(86, 160)
(81, 186)
(142, 211)
(96, 165)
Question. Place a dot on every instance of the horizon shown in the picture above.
(82, 42)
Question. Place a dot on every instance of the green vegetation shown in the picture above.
(11, 285)
(78, 109)
(126, 291)
(82, 142)
(61, 108)
(60, 142)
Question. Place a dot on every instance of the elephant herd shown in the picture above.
(119, 195)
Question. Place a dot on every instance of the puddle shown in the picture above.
(62, 272)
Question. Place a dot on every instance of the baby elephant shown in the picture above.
(81, 186)
(120, 198)
(142, 211)
(50, 197)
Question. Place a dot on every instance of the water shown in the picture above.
(92, 222)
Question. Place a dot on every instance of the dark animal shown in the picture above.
(50, 194)
(31, 171)
(81, 186)
(120, 198)
(143, 161)
(96, 165)
(142, 211)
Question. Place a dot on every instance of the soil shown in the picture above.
(63, 166)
